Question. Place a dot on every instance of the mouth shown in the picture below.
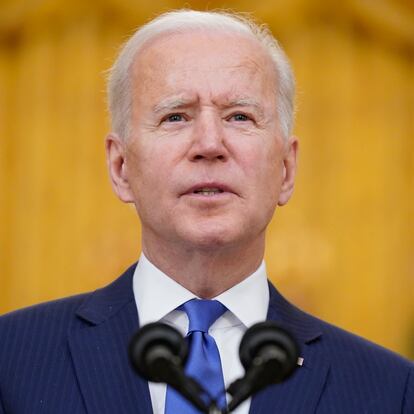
(209, 190)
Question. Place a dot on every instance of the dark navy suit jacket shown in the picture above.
(69, 357)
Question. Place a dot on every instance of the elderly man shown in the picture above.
(201, 104)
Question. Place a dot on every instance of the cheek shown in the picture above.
(141, 174)
(151, 173)
(267, 169)
(263, 164)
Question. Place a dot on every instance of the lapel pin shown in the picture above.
(300, 361)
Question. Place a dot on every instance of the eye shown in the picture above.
(239, 117)
(174, 118)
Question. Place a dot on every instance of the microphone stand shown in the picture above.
(268, 353)
(213, 409)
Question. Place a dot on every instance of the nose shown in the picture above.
(208, 139)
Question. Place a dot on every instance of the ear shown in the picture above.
(289, 170)
(115, 160)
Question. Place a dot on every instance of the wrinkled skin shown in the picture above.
(206, 164)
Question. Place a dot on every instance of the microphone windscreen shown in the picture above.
(152, 346)
(268, 343)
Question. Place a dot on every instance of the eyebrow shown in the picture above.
(171, 104)
(243, 102)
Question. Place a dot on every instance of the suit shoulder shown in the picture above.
(348, 347)
(33, 334)
(65, 307)
(62, 304)
(44, 311)
(378, 376)
(339, 345)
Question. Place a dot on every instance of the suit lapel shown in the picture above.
(108, 384)
(301, 392)
(99, 351)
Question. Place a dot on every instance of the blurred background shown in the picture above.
(343, 248)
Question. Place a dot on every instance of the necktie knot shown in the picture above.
(203, 363)
(202, 313)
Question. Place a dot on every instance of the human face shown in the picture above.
(205, 164)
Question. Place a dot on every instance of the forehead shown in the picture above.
(224, 63)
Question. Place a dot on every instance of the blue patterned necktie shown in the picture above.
(203, 363)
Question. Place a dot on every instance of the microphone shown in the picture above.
(158, 353)
(269, 355)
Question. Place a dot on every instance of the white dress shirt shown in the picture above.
(157, 296)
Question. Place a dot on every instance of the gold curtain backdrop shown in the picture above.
(343, 248)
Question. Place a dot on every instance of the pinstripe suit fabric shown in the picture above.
(69, 356)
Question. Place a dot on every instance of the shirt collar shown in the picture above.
(156, 295)
(249, 299)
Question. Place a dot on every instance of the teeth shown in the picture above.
(208, 191)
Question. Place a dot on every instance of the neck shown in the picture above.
(205, 272)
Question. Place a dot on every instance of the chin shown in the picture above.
(213, 235)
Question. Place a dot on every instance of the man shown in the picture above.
(201, 105)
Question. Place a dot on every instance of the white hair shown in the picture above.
(179, 21)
